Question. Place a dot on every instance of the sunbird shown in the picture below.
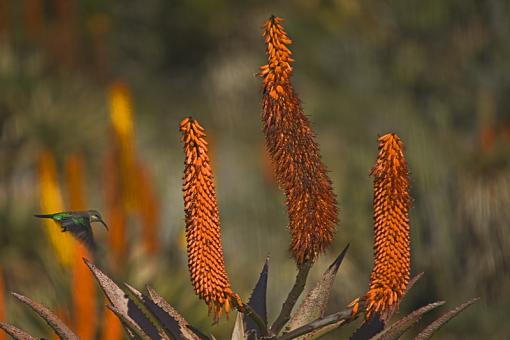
(78, 223)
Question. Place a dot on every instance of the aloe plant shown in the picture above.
(312, 212)
(150, 316)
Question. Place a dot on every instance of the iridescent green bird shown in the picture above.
(78, 223)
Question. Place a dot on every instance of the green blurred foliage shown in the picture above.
(436, 72)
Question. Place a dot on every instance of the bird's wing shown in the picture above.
(56, 216)
(61, 216)
(81, 230)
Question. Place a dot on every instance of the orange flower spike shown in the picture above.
(203, 236)
(148, 209)
(392, 255)
(121, 116)
(290, 141)
(83, 292)
(112, 327)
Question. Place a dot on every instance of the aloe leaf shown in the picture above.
(238, 331)
(435, 325)
(344, 316)
(173, 323)
(292, 297)
(15, 332)
(399, 327)
(258, 301)
(130, 324)
(123, 304)
(323, 330)
(315, 302)
(201, 335)
(58, 325)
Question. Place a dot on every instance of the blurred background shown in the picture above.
(91, 94)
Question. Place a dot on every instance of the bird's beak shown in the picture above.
(104, 224)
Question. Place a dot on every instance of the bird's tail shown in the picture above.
(44, 215)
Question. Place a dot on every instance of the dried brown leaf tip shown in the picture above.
(392, 255)
(311, 203)
(205, 254)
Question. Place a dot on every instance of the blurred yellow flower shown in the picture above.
(121, 110)
(51, 202)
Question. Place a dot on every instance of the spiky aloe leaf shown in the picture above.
(183, 326)
(55, 323)
(127, 322)
(239, 330)
(322, 331)
(435, 325)
(315, 302)
(200, 334)
(343, 317)
(258, 302)
(395, 330)
(173, 323)
(124, 305)
(15, 332)
(292, 297)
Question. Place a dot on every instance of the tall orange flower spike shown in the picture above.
(121, 115)
(83, 292)
(311, 203)
(205, 254)
(392, 255)
(149, 209)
